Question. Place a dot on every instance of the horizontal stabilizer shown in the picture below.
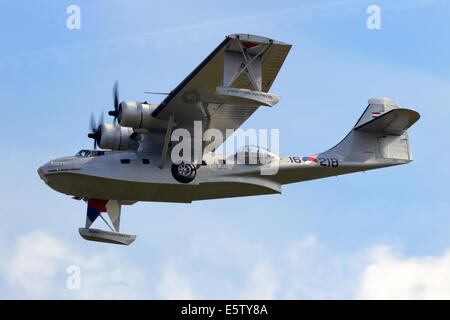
(394, 122)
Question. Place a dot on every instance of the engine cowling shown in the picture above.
(139, 115)
(116, 137)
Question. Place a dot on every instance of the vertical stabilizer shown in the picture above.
(376, 108)
(380, 135)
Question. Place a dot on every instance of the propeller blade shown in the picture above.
(92, 125)
(116, 95)
(96, 129)
(115, 112)
(102, 120)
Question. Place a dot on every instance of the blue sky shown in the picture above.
(379, 234)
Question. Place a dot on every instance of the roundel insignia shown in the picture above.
(309, 159)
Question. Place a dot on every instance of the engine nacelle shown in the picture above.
(139, 115)
(116, 137)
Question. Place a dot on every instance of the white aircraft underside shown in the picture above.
(221, 93)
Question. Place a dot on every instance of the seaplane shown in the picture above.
(141, 158)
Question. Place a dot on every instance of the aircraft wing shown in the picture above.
(228, 86)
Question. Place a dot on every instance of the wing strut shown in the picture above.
(104, 220)
(166, 141)
(246, 63)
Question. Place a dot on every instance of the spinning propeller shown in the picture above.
(96, 128)
(96, 133)
(115, 112)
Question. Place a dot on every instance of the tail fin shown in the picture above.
(379, 134)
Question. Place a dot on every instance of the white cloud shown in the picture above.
(240, 269)
(36, 268)
(34, 263)
(174, 286)
(262, 282)
(389, 276)
(305, 269)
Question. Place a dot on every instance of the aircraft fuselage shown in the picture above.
(137, 176)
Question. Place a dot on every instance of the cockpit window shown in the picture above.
(90, 153)
(96, 153)
(84, 153)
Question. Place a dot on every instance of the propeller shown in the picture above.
(96, 129)
(115, 112)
